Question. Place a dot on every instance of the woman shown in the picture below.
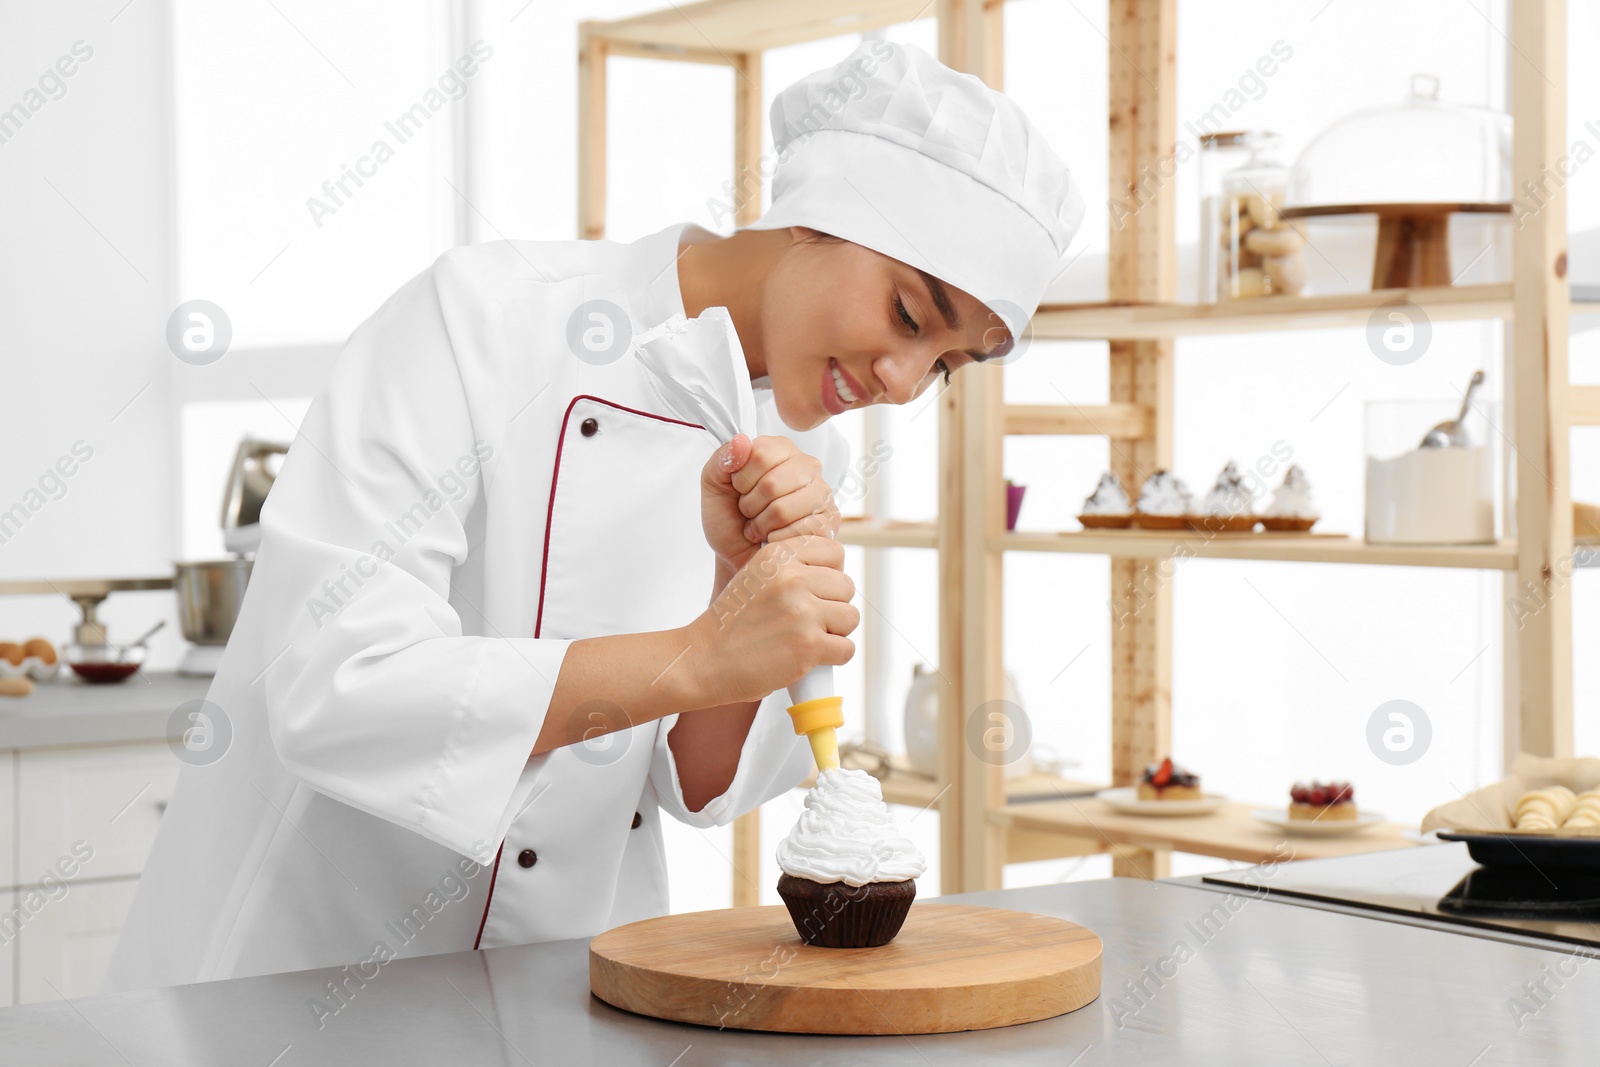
(478, 658)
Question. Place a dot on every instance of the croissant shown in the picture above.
(1586, 812)
(1545, 809)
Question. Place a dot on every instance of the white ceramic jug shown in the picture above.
(922, 723)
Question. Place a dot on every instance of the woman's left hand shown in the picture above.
(762, 490)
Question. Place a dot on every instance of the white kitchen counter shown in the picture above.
(66, 711)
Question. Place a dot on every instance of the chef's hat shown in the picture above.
(893, 150)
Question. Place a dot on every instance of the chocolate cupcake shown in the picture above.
(849, 874)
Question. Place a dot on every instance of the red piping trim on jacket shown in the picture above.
(544, 566)
(492, 875)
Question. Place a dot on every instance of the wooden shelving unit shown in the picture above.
(983, 822)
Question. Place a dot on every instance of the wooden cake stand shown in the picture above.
(952, 967)
(1413, 239)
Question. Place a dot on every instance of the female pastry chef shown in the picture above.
(487, 544)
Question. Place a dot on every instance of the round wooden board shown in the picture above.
(952, 967)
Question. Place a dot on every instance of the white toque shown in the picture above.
(893, 150)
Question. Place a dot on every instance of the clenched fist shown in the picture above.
(787, 611)
(762, 490)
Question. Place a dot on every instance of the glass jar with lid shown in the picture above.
(1257, 252)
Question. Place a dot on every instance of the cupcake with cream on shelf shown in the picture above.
(1164, 503)
(1228, 507)
(1107, 508)
(1291, 510)
(849, 874)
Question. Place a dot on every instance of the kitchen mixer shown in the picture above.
(210, 592)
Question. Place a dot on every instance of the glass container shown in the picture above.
(1437, 496)
(1220, 152)
(1257, 252)
(1421, 150)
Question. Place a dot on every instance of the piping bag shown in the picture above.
(697, 368)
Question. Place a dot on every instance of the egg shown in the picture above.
(38, 646)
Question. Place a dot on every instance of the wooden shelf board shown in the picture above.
(888, 533)
(1232, 833)
(1340, 310)
(1101, 420)
(1290, 547)
(732, 26)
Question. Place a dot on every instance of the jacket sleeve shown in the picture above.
(376, 697)
(773, 761)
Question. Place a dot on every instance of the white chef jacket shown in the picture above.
(465, 498)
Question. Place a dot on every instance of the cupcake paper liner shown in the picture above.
(1224, 523)
(1107, 521)
(836, 915)
(1145, 521)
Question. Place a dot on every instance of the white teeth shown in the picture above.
(844, 390)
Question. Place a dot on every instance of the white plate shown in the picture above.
(1127, 801)
(1279, 819)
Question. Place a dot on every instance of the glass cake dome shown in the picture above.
(1422, 150)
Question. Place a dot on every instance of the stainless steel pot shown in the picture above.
(209, 596)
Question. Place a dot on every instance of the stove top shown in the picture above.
(1440, 882)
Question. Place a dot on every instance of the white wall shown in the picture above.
(86, 275)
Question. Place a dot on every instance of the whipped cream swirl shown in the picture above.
(1165, 494)
(1293, 498)
(1108, 498)
(845, 834)
(1229, 496)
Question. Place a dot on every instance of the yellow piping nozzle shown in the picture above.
(816, 720)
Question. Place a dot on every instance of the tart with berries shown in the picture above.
(1168, 781)
(1310, 801)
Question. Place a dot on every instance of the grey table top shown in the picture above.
(67, 711)
(1190, 976)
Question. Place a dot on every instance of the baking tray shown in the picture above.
(1530, 851)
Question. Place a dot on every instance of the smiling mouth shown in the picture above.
(842, 387)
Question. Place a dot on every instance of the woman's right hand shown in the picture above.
(784, 612)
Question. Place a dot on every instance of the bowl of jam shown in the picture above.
(104, 664)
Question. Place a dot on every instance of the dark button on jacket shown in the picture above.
(589, 428)
(527, 857)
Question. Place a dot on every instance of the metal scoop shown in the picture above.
(1452, 433)
(122, 653)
